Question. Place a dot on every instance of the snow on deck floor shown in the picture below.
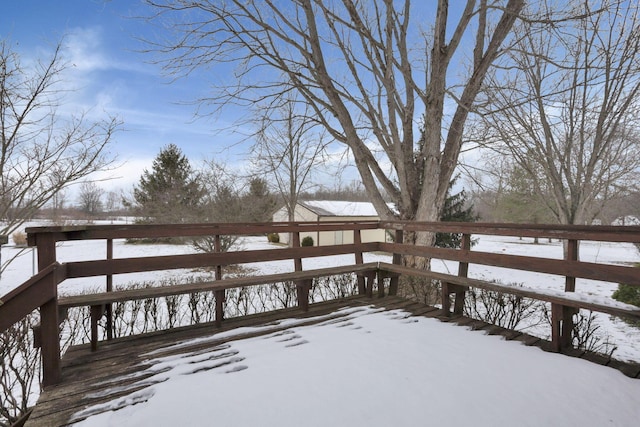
(381, 368)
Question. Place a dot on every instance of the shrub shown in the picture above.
(307, 241)
(502, 309)
(627, 293)
(19, 370)
(587, 335)
(19, 238)
(208, 243)
(273, 237)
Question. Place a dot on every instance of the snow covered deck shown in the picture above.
(379, 368)
(337, 364)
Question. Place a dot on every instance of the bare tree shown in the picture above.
(58, 202)
(40, 151)
(113, 201)
(221, 202)
(569, 112)
(510, 193)
(90, 198)
(289, 150)
(366, 70)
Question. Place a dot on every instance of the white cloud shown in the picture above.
(83, 47)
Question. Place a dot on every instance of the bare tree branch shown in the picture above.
(569, 113)
(355, 63)
(41, 152)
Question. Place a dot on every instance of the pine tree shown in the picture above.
(259, 202)
(170, 192)
(455, 209)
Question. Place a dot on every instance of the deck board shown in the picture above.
(118, 367)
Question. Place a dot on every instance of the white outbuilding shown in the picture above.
(332, 210)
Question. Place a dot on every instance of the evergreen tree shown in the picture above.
(259, 203)
(225, 204)
(170, 192)
(455, 209)
(522, 200)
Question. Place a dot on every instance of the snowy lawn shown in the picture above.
(378, 369)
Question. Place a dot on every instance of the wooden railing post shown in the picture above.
(302, 289)
(295, 243)
(572, 255)
(562, 316)
(463, 271)
(357, 240)
(95, 314)
(220, 295)
(397, 259)
(556, 327)
(109, 307)
(302, 286)
(458, 290)
(49, 324)
(217, 247)
(565, 314)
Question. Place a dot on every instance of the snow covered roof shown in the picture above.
(341, 208)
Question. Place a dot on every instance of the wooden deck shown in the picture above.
(118, 367)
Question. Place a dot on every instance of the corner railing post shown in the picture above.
(295, 243)
(49, 324)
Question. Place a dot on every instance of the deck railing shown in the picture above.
(40, 292)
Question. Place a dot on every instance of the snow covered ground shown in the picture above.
(376, 369)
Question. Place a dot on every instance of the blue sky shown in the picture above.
(109, 76)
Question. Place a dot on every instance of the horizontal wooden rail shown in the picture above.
(565, 299)
(560, 267)
(601, 233)
(167, 262)
(138, 231)
(31, 295)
